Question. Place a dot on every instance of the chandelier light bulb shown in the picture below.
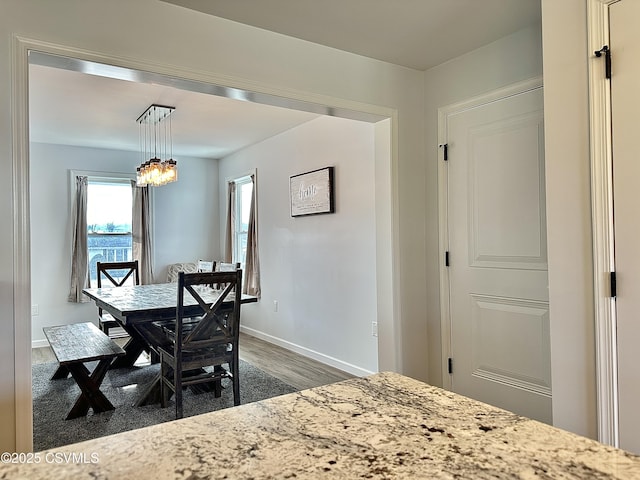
(153, 141)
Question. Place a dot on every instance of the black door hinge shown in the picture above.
(446, 259)
(450, 365)
(445, 150)
(607, 59)
(612, 284)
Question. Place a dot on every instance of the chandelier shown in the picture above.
(156, 144)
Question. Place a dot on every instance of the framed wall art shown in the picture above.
(311, 193)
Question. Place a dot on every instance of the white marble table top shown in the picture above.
(382, 426)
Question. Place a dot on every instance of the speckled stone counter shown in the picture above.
(382, 426)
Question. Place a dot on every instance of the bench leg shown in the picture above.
(89, 384)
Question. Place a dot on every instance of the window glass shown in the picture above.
(109, 212)
(244, 188)
(245, 204)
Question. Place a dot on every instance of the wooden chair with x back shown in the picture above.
(210, 340)
(117, 274)
(225, 267)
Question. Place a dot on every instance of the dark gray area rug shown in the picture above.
(52, 400)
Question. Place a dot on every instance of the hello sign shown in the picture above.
(311, 193)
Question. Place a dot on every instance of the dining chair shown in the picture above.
(118, 274)
(206, 265)
(175, 268)
(210, 340)
(225, 267)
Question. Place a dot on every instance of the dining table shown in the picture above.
(138, 307)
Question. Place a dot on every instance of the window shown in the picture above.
(109, 212)
(244, 189)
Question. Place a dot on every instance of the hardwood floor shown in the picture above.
(298, 371)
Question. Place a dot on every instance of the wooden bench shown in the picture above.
(74, 345)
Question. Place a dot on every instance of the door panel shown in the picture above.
(507, 221)
(523, 361)
(625, 81)
(499, 308)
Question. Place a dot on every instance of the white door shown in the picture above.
(499, 311)
(625, 98)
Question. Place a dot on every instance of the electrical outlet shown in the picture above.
(35, 310)
(275, 306)
(374, 329)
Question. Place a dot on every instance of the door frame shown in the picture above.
(601, 148)
(443, 208)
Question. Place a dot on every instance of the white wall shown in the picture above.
(566, 105)
(211, 49)
(186, 223)
(321, 269)
(186, 217)
(509, 60)
(219, 51)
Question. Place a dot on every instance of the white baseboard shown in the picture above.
(39, 343)
(306, 352)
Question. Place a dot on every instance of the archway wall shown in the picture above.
(206, 48)
(568, 191)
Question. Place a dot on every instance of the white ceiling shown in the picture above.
(415, 33)
(73, 108)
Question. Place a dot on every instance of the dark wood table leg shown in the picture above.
(142, 338)
(61, 373)
(133, 348)
(155, 358)
(151, 394)
(89, 384)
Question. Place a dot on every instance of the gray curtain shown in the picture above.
(251, 282)
(79, 262)
(231, 221)
(141, 233)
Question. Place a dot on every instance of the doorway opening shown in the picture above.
(383, 227)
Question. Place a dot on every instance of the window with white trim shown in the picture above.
(244, 189)
(109, 219)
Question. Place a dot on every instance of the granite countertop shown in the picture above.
(382, 426)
